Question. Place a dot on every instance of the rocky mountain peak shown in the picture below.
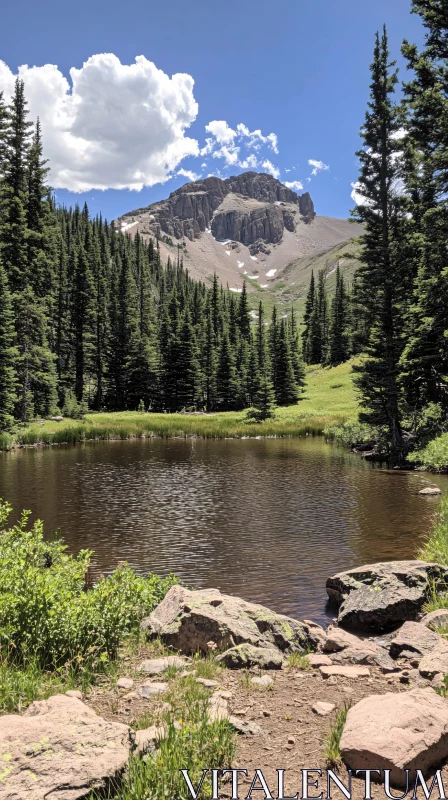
(246, 208)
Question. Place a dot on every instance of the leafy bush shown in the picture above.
(47, 615)
(436, 545)
(350, 434)
(433, 457)
(72, 408)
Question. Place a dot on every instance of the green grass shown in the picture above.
(298, 660)
(332, 741)
(329, 399)
(19, 686)
(191, 742)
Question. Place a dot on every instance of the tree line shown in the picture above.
(91, 319)
(396, 314)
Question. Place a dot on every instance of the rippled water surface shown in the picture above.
(267, 519)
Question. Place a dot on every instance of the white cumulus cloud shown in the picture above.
(229, 144)
(114, 125)
(188, 173)
(268, 166)
(318, 166)
(296, 185)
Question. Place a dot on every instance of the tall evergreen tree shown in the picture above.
(383, 274)
(8, 356)
(339, 323)
(309, 305)
(425, 359)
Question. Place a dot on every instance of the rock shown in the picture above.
(378, 596)
(291, 740)
(265, 680)
(323, 709)
(317, 632)
(218, 708)
(438, 681)
(435, 618)
(222, 693)
(154, 666)
(74, 693)
(149, 689)
(349, 649)
(345, 672)
(125, 683)
(266, 713)
(393, 731)
(245, 726)
(413, 638)
(208, 683)
(244, 656)
(435, 661)
(338, 639)
(319, 660)
(60, 747)
(235, 220)
(187, 620)
(57, 419)
(147, 739)
(431, 490)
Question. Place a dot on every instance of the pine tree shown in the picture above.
(8, 356)
(425, 358)
(189, 384)
(286, 389)
(244, 315)
(297, 362)
(309, 305)
(339, 323)
(313, 347)
(226, 383)
(383, 276)
(324, 321)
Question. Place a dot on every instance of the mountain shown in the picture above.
(247, 227)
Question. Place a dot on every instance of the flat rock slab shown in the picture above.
(338, 639)
(246, 727)
(436, 661)
(376, 597)
(264, 680)
(59, 748)
(414, 638)
(207, 682)
(392, 731)
(125, 683)
(431, 491)
(345, 672)
(244, 656)
(319, 660)
(154, 666)
(151, 688)
(323, 709)
(188, 620)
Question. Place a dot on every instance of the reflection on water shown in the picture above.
(267, 519)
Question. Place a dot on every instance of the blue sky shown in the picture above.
(295, 69)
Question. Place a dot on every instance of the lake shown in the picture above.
(266, 519)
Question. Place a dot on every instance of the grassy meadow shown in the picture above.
(329, 399)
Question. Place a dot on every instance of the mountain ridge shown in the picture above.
(245, 227)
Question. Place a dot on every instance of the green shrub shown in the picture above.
(350, 434)
(46, 613)
(72, 408)
(433, 457)
(435, 547)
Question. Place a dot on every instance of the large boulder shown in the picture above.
(59, 748)
(245, 656)
(392, 731)
(349, 649)
(188, 620)
(379, 596)
(435, 662)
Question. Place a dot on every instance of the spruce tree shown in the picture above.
(309, 305)
(425, 358)
(8, 356)
(339, 323)
(383, 276)
(226, 382)
(297, 362)
(286, 389)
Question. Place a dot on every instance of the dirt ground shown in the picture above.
(292, 736)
